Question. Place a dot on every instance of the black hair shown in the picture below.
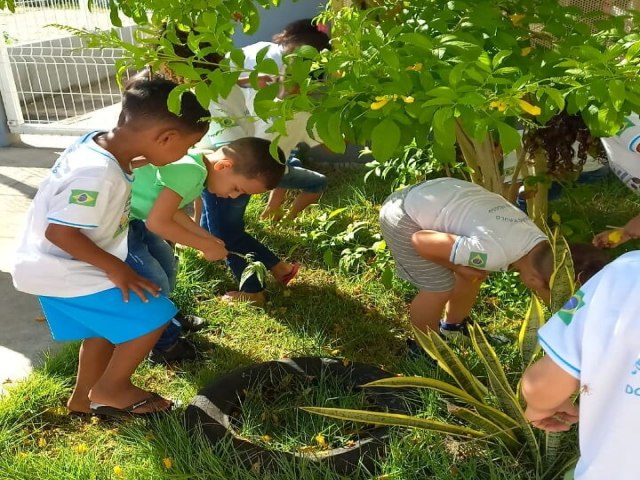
(587, 260)
(299, 33)
(144, 101)
(252, 159)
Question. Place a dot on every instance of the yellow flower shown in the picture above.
(118, 471)
(82, 448)
(416, 67)
(499, 104)
(42, 442)
(266, 438)
(380, 102)
(321, 440)
(408, 99)
(530, 109)
(516, 18)
(525, 51)
(614, 237)
(167, 463)
(22, 455)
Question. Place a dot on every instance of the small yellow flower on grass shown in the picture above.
(516, 18)
(530, 109)
(415, 67)
(82, 448)
(266, 438)
(408, 99)
(118, 471)
(22, 455)
(525, 51)
(42, 442)
(167, 463)
(614, 237)
(320, 440)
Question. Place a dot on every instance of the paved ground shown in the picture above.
(23, 338)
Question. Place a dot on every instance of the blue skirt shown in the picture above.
(105, 315)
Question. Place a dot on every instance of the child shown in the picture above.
(236, 118)
(592, 347)
(71, 254)
(244, 166)
(447, 235)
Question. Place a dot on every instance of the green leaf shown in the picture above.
(528, 337)
(380, 418)
(556, 97)
(505, 436)
(175, 98)
(509, 137)
(633, 50)
(499, 57)
(385, 138)
(418, 40)
(617, 93)
(327, 257)
(237, 57)
(443, 126)
(444, 92)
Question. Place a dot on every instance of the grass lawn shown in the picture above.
(345, 312)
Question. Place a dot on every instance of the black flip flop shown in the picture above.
(109, 411)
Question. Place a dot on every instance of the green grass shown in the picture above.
(337, 312)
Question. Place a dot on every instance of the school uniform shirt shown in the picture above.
(186, 177)
(595, 338)
(234, 117)
(492, 233)
(88, 190)
(624, 155)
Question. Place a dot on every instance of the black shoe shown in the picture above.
(190, 323)
(180, 351)
(452, 332)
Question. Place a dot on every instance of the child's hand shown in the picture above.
(125, 278)
(471, 274)
(215, 250)
(611, 238)
(559, 419)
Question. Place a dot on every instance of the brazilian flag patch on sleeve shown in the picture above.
(86, 198)
(570, 308)
(478, 259)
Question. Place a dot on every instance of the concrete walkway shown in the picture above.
(24, 336)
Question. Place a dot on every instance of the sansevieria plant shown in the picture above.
(492, 410)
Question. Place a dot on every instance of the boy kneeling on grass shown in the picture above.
(592, 348)
(243, 166)
(72, 251)
(446, 235)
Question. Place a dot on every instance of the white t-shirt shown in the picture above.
(492, 233)
(595, 338)
(86, 189)
(622, 150)
(274, 52)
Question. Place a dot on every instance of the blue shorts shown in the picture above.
(298, 178)
(105, 315)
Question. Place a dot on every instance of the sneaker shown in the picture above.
(190, 323)
(180, 351)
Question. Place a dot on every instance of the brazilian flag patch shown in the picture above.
(570, 308)
(86, 198)
(478, 259)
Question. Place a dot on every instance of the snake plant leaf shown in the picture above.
(395, 419)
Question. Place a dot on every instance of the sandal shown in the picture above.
(109, 411)
(286, 279)
(234, 296)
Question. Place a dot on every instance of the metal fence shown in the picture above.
(49, 82)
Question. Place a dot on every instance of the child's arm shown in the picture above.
(80, 247)
(617, 236)
(548, 389)
(197, 210)
(436, 247)
(162, 221)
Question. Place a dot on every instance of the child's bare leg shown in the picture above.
(465, 292)
(426, 309)
(114, 388)
(302, 201)
(274, 205)
(94, 356)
